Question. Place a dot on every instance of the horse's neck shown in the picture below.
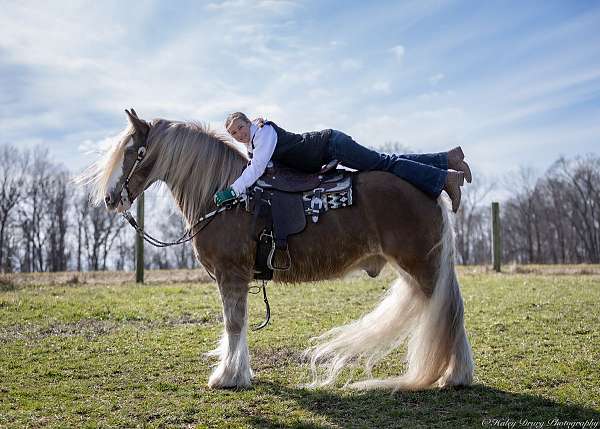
(196, 199)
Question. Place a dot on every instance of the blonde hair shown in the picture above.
(233, 116)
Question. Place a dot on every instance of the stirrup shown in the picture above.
(286, 266)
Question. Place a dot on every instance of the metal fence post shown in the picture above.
(139, 242)
(496, 237)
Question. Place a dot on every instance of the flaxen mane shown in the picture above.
(195, 161)
(107, 170)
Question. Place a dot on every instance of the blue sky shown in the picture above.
(515, 83)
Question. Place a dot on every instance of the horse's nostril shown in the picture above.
(107, 199)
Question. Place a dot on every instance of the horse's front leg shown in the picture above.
(233, 369)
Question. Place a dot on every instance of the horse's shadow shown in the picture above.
(479, 406)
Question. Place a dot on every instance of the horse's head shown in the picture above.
(122, 175)
(128, 182)
(191, 160)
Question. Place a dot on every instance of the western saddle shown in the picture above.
(283, 198)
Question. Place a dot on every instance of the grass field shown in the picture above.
(101, 354)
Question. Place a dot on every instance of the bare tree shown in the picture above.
(57, 206)
(13, 167)
(33, 210)
(471, 223)
(582, 176)
(100, 229)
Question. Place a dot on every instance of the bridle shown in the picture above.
(125, 194)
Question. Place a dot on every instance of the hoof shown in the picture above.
(218, 380)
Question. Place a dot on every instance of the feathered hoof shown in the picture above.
(219, 380)
(450, 381)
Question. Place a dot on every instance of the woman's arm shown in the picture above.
(265, 140)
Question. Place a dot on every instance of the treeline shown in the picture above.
(554, 219)
(48, 224)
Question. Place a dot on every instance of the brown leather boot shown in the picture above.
(454, 181)
(456, 161)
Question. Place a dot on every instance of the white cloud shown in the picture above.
(398, 52)
(227, 5)
(381, 87)
(436, 78)
(424, 130)
(351, 64)
(245, 6)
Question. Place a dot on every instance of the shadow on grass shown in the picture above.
(479, 406)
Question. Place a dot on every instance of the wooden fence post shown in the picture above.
(139, 242)
(496, 237)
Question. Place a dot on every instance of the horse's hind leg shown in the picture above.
(233, 369)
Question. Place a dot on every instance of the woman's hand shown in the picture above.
(225, 196)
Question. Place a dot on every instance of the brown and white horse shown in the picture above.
(390, 221)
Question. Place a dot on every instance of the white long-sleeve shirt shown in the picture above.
(265, 140)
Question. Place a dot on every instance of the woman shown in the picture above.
(265, 141)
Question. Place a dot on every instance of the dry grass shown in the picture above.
(538, 269)
(17, 280)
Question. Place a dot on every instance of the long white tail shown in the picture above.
(438, 351)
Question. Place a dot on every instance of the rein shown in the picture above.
(187, 235)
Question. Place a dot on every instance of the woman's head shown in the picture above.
(237, 125)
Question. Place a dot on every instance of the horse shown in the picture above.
(390, 221)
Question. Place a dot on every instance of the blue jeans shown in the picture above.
(426, 171)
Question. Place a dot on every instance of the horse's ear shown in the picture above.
(139, 124)
(134, 114)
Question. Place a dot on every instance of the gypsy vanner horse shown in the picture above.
(390, 221)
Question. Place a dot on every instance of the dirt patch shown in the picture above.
(92, 328)
(9, 282)
(89, 328)
(265, 358)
